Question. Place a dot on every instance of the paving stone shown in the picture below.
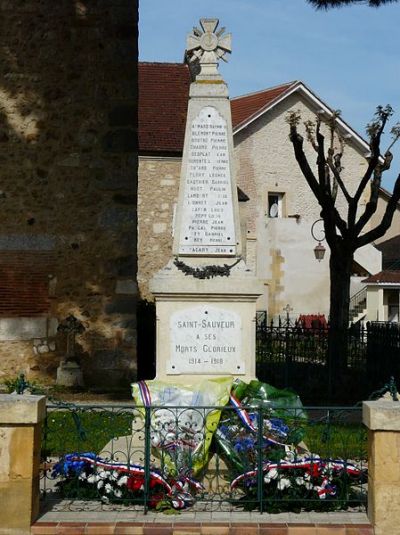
(128, 528)
(44, 528)
(332, 529)
(100, 528)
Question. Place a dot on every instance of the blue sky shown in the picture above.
(350, 56)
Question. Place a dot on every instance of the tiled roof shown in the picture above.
(388, 277)
(163, 100)
(248, 106)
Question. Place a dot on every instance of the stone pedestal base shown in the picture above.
(69, 374)
(205, 327)
(20, 436)
(382, 419)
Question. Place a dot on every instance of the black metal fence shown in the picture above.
(290, 355)
(113, 457)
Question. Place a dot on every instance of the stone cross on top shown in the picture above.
(208, 46)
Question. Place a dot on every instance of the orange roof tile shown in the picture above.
(388, 277)
(248, 106)
(163, 99)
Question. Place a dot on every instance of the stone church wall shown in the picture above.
(157, 196)
(68, 175)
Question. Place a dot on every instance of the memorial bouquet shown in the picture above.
(88, 476)
(292, 476)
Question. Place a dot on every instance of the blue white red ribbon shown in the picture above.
(242, 413)
(131, 469)
(245, 418)
(180, 497)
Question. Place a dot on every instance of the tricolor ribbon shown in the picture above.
(179, 497)
(245, 418)
(145, 393)
(309, 465)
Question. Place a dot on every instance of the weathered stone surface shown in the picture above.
(125, 199)
(69, 374)
(24, 409)
(27, 242)
(121, 304)
(26, 328)
(20, 438)
(115, 181)
(67, 149)
(122, 140)
(123, 115)
(382, 415)
(123, 266)
(119, 369)
(114, 218)
(128, 286)
(127, 323)
(16, 512)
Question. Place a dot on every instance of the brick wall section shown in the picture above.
(68, 172)
(24, 283)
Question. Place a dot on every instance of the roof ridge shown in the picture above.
(166, 63)
(286, 84)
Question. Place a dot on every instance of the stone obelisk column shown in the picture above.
(205, 296)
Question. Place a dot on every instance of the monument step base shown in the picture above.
(158, 524)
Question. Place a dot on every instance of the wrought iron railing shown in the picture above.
(358, 302)
(294, 356)
(102, 457)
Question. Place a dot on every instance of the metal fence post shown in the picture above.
(260, 474)
(147, 424)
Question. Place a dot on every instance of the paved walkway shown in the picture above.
(204, 523)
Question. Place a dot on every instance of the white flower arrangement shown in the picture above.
(283, 483)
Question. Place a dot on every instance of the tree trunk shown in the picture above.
(340, 265)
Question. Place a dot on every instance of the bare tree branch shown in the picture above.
(380, 229)
(326, 202)
(334, 162)
(297, 141)
(375, 130)
(372, 204)
(375, 153)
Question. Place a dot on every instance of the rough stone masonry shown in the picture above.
(68, 173)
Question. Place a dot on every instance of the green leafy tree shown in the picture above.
(327, 4)
(348, 230)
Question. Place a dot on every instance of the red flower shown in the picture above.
(135, 483)
(315, 470)
(155, 498)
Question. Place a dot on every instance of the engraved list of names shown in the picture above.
(207, 212)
